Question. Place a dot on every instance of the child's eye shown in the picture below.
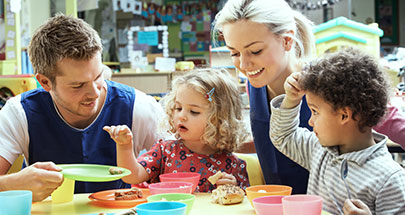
(314, 112)
(195, 112)
(258, 52)
(178, 108)
(234, 54)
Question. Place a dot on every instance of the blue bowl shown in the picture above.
(161, 208)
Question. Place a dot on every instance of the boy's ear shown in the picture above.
(345, 114)
(44, 81)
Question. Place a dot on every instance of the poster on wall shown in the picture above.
(386, 15)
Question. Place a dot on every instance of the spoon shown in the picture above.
(343, 174)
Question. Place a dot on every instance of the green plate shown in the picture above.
(91, 172)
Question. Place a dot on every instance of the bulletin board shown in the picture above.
(143, 41)
(387, 18)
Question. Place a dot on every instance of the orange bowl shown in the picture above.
(192, 177)
(267, 190)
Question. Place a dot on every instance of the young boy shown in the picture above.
(347, 95)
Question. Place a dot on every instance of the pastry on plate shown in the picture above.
(227, 194)
(133, 193)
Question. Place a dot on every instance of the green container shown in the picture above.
(186, 198)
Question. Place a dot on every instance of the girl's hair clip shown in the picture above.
(209, 94)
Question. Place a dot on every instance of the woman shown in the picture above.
(268, 41)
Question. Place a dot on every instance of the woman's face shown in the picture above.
(257, 52)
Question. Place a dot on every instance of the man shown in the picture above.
(61, 123)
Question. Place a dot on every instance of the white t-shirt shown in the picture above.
(14, 138)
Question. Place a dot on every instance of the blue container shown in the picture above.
(161, 208)
(16, 202)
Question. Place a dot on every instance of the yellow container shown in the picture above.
(65, 192)
(7, 67)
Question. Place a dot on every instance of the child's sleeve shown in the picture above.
(240, 173)
(296, 143)
(391, 197)
(152, 161)
(393, 125)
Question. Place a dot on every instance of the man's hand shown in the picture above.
(42, 178)
(355, 207)
(293, 91)
(121, 134)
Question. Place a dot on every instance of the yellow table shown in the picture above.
(81, 205)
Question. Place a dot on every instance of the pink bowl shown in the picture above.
(302, 204)
(268, 205)
(191, 177)
(170, 187)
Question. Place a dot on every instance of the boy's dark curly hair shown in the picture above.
(349, 78)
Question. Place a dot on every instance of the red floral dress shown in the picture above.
(174, 156)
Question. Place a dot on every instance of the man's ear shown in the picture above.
(44, 81)
(345, 114)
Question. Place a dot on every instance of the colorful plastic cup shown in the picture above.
(16, 202)
(192, 177)
(253, 192)
(170, 187)
(302, 204)
(178, 197)
(161, 208)
(64, 193)
(268, 205)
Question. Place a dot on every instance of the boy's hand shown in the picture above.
(355, 207)
(121, 134)
(227, 179)
(293, 91)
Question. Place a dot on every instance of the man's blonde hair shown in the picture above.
(62, 37)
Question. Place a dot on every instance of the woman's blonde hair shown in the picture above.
(62, 37)
(277, 15)
(225, 129)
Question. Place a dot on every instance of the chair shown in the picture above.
(253, 168)
(17, 165)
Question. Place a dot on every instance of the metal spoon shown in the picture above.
(343, 174)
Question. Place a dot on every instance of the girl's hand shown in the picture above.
(227, 179)
(293, 91)
(355, 207)
(121, 134)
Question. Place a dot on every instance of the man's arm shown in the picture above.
(41, 178)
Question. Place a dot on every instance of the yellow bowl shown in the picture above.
(253, 192)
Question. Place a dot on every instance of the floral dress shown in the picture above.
(173, 156)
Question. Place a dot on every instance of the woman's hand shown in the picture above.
(355, 207)
(121, 134)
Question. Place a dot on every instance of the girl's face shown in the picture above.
(325, 120)
(190, 114)
(257, 52)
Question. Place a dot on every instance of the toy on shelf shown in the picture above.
(342, 32)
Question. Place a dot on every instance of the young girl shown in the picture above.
(204, 112)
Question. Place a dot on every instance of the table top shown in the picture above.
(81, 204)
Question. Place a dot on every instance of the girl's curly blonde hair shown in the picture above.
(225, 129)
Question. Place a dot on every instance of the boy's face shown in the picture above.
(325, 121)
(190, 114)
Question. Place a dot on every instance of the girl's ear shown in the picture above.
(44, 81)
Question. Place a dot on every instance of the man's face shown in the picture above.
(79, 91)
